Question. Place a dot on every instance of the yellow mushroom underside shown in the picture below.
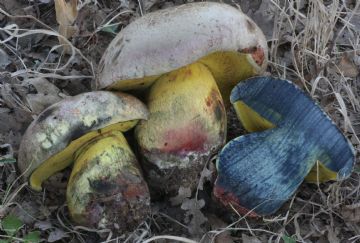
(64, 158)
(221, 65)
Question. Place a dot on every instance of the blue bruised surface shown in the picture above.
(263, 169)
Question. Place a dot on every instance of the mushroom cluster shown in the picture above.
(189, 57)
(183, 62)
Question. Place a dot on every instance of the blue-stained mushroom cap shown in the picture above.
(261, 170)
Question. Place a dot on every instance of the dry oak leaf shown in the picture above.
(66, 13)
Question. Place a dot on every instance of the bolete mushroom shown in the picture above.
(187, 124)
(87, 129)
(217, 35)
(182, 53)
(261, 170)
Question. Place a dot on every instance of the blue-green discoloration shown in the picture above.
(262, 170)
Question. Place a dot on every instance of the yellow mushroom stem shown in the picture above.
(106, 184)
(187, 123)
(64, 158)
(230, 67)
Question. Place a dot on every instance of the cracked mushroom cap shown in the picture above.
(217, 35)
(52, 138)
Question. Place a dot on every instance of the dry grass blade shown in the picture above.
(169, 237)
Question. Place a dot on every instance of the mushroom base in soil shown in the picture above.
(106, 185)
(259, 171)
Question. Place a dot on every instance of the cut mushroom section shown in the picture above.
(258, 172)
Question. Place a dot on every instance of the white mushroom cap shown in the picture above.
(166, 40)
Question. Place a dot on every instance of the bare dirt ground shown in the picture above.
(314, 43)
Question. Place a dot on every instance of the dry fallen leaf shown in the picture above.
(217, 224)
(45, 94)
(26, 211)
(183, 193)
(333, 235)
(348, 67)
(206, 175)
(4, 59)
(43, 225)
(66, 13)
(57, 235)
(351, 213)
(194, 217)
(249, 239)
